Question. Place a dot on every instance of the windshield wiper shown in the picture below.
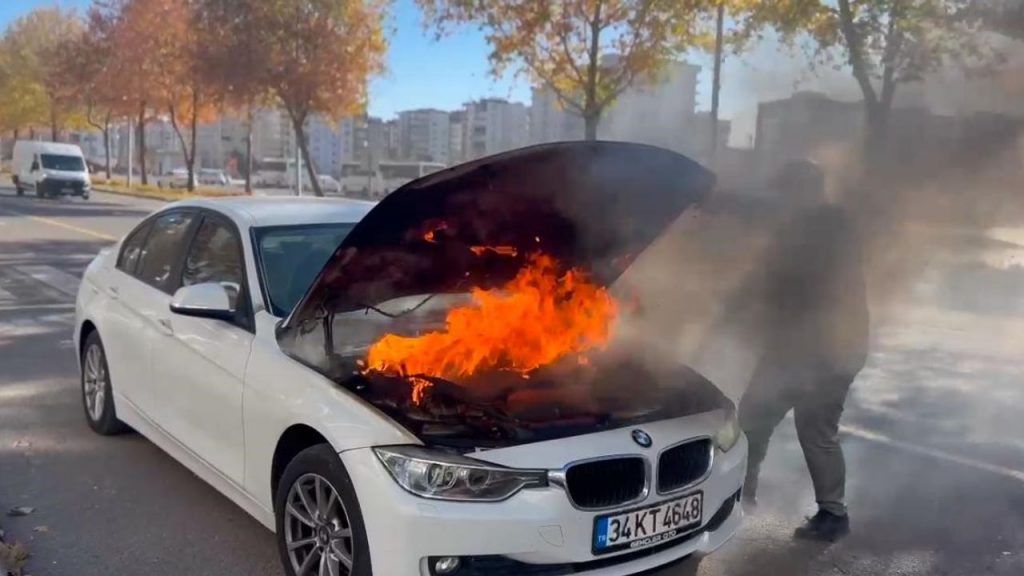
(419, 305)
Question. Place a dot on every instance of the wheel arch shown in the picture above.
(87, 328)
(293, 440)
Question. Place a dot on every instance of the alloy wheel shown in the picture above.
(94, 382)
(317, 531)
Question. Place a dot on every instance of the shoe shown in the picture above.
(824, 527)
(749, 503)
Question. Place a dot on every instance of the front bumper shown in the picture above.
(58, 187)
(537, 531)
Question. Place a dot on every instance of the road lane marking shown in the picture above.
(879, 438)
(57, 279)
(63, 225)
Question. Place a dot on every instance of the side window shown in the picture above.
(215, 256)
(131, 249)
(162, 250)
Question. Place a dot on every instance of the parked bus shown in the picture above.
(274, 173)
(396, 174)
(357, 180)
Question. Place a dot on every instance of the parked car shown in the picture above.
(178, 178)
(328, 185)
(50, 169)
(235, 334)
(212, 177)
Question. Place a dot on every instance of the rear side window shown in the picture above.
(162, 250)
(131, 249)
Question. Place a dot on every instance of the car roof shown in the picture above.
(256, 211)
(55, 147)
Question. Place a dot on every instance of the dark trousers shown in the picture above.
(816, 397)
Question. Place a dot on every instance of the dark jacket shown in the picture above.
(814, 303)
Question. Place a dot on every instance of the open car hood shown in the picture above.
(591, 205)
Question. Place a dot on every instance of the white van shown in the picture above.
(50, 169)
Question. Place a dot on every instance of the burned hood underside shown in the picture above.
(590, 205)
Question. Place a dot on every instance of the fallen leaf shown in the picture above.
(41, 529)
(22, 444)
(21, 511)
(12, 558)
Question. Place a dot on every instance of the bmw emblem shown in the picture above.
(642, 438)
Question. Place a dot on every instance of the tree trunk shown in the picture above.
(106, 145)
(142, 143)
(191, 158)
(248, 149)
(716, 82)
(590, 122)
(300, 137)
(54, 128)
(190, 181)
(591, 111)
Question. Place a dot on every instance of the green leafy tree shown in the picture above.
(588, 52)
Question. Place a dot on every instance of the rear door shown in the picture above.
(122, 324)
(199, 363)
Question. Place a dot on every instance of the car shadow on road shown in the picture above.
(70, 207)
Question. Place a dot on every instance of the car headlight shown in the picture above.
(432, 474)
(729, 433)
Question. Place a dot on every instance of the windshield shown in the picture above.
(290, 258)
(62, 162)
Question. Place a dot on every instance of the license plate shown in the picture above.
(648, 526)
(67, 190)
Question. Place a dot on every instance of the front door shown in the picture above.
(199, 363)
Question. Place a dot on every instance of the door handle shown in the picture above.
(115, 292)
(164, 325)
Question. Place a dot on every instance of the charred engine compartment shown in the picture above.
(500, 408)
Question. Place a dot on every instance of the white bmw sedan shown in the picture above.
(426, 386)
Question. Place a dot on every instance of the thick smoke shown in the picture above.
(932, 197)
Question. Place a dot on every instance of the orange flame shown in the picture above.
(431, 235)
(502, 250)
(537, 318)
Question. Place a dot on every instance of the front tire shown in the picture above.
(97, 395)
(320, 526)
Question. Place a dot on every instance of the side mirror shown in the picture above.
(206, 300)
(35, 167)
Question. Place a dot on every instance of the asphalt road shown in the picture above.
(933, 436)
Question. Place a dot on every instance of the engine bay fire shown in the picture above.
(540, 317)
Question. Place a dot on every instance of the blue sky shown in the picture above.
(444, 74)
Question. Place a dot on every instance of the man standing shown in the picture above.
(814, 329)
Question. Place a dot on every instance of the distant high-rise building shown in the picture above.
(659, 110)
(424, 135)
(457, 137)
(550, 121)
(798, 127)
(324, 139)
(494, 125)
(364, 140)
(221, 143)
(271, 134)
(701, 136)
(392, 140)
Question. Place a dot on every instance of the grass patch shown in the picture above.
(157, 193)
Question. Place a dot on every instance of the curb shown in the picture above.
(158, 196)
